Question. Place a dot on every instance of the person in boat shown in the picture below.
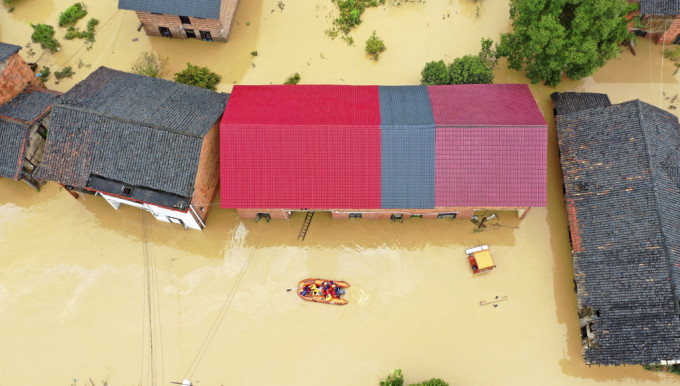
(305, 290)
(329, 297)
(315, 290)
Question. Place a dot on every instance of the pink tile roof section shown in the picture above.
(298, 147)
(484, 105)
(491, 146)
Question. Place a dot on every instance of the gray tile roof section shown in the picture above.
(7, 50)
(208, 9)
(148, 101)
(624, 214)
(112, 125)
(29, 105)
(12, 135)
(408, 148)
(571, 102)
(405, 107)
(660, 7)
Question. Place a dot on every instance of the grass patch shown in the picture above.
(66, 72)
(150, 64)
(293, 79)
(72, 14)
(74, 33)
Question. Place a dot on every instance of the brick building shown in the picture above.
(24, 117)
(661, 20)
(208, 20)
(621, 171)
(382, 151)
(140, 141)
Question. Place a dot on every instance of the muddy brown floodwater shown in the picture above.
(75, 289)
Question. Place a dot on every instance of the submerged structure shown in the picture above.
(382, 151)
(139, 141)
(621, 168)
(207, 20)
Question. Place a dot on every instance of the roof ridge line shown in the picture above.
(676, 306)
(129, 121)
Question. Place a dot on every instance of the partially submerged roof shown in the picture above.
(491, 146)
(7, 50)
(572, 102)
(623, 206)
(660, 7)
(208, 9)
(137, 130)
(16, 116)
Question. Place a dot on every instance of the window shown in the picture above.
(355, 215)
(156, 13)
(416, 216)
(185, 19)
(265, 216)
(397, 217)
(165, 32)
(126, 190)
(451, 215)
(190, 33)
(205, 36)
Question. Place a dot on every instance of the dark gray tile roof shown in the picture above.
(660, 7)
(408, 148)
(29, 105)
(7, 50)
(208, 9)
(571, 102)
(148, 101)
(112, 125)
(624, 213)
(12, 136)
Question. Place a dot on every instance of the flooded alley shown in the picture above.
(88, 292)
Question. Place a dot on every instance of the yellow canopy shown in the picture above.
(484, 259)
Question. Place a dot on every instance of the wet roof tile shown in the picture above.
(660, 7)
(7, 50)
(209, 9)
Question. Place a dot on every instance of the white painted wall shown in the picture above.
(188, 219)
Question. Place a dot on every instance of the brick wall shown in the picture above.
(208, 176)
(15, 77)
(219, 29)
(377, 214)
(670, 34)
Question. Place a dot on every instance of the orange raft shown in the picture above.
(320, 298)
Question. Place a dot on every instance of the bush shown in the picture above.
(66, 72)
(198, 76)
(431, 382)
(470, 69)
(72, 14)
(44, 74)
(150, 64)
(374, 45)
(435, 73)
(293, 79)
(44, 34)
(394, 379)
(350, 12)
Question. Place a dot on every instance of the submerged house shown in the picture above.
(661, 20)
(621, 169)
(208, 20)
(24, 117)
(382, 151)
(139, 141)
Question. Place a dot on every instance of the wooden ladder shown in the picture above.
(305, 226)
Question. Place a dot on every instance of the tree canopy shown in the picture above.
(552, 37)
(198, 76)
(470, 69)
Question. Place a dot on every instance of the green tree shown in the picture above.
(470, 69)
(552, 37)
(374, 45)
(435, 72)
(394, 379)
(198, 76)
(150, 64)
(44, 34)
(72, 14)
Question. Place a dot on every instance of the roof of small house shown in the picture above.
(491, 146)
(353, 147)
(137, 130)
(7, 50)
(660, 7)
(208, 9)
(571, 102)
(15, 118)
(621, 170)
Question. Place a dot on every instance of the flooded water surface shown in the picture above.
(87, 291)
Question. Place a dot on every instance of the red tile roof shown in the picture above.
(314, 147)
(484, 105)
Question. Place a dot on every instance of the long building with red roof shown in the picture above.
(382, 151)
